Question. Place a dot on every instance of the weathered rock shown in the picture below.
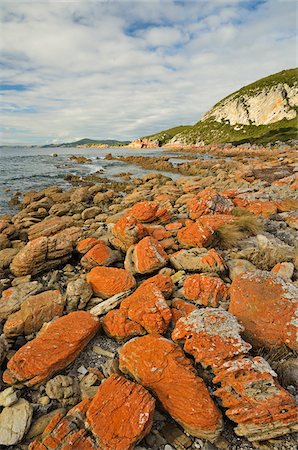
(78, 294)
(64, 389)
(54, 348)
(3, 348)
(149, 212)
(215, 221)
(198, 260)
(6, 257)
(260, 299)
(209, 201)
(34, 312)
(49, 226)
(128, 230)
(262, 208)
(181, 308)
(163, 282)
(86, 244)
(238, 266)
(100, 255)
(284, 270)
(145, 257)
(39, 425)
(160, 365)
(120, 415)
(12, 298)
(4, 242)
(206, 290)
(15, 421)
(117, 325)
(45, 252)
(90, 213)
(108, 281)
(80, 195)
(195, 235)
(8, 397)
(248, 389)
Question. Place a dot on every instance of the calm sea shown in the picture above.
(24, 169)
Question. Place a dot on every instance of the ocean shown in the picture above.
(24, 169)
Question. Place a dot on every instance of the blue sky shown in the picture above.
(122, 69)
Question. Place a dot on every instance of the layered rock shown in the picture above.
(45, 252)
(56, 346)
(49, 226)
(120, 415)
(145, 257)
(160, 365)
(78, 294)
(108, 281)
(248, 388)
(206, 290)
(34, 312)
(259, 300)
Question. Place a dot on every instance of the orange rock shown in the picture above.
(215, 221)
(144, 211)
(248, 389)
(160, 365)
(86, 244)
(128, 230)
(206, 290)
(100, 255)
(145, 257)
(118, 326)
(262, 208)
(198, 260)
(34, 312)
(54, 348)
(108, 281)
(288, 204)
(173, 227)
(209, 201)
(158, 232)
(163, 282)
(195, 235)
(180, 308)
(260, 299)
(120, 415)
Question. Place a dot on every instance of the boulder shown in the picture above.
(86, 244)
(163, 282)
(145, 257)
(78, 294)
(149, 212)
(15, 421)
(215, 221)
(90, 213)
(181, 308)
(13, 297)
(4, 242)
(118, 326)
(45, 252)
(260, 299)
(161, 366)
(49, 226)
(34, 312)
(238, 266)
(209, 201)
(206, 290)
(128, 230)
(108, 281)
(100, 255)
(198, 260)
(195, 235)
(55, 347)
(6, 257)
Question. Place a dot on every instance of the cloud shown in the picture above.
(108, 69)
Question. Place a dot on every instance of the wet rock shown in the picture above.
(45, 252)
(259, 299)
(198, 260)
(100, 255)
(120, 415)
(34, 312)
(209, 201)
(12, 298)
(195, 235)
(64, 389)
(15, 421)
(160, 365)
(49, 226)
(56, 346)
(108, 281)
(78, 294)
(206, 290)
(248, 388)
(145, 257)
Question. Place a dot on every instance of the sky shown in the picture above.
(123, 69)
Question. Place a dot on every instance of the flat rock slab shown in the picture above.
(56, 346)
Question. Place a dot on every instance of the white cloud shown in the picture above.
(126, 69)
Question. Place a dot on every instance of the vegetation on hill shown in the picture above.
(86, 141)
(166, 135)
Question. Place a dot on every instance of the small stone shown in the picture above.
(44, 400)
(8, 397)
(284, 270)
(65, 389)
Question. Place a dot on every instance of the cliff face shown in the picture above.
(262, 107)
(144, 143)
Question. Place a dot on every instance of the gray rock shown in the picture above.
(65, 389)
(78, 294)
(238, 266)
(15, 421)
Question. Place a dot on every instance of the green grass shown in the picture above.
(166, 135)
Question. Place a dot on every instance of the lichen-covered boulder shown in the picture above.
(160, 365)
(100, 255)
(55, 347)
(86, 244)
(195, 235)
(209, 201)
(198, 260)
(128, 230)
(266, 306)
(118, 326)
(206, 290)
(215, 221)
(108, 281)
(34, 312)
(145, 257)
(163, 282)
(181, 308)
(149, 212)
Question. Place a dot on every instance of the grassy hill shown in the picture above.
(86, 141)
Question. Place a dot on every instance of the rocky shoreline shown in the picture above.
(154, 313)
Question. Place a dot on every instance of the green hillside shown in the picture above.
(164, 136)
(86, 141)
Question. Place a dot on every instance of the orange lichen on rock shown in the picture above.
(209, 201)
(248, 388)
(149, 212)
(262, 208)
(260, 299)
(56, 346)
(195, 235)
(215, 221)
(158, 232)
(34, 312)
(120, 415)
(108, 281)
(145, 257)
(86, 244)
(198, 260)
(100, 255)
(160, 365)
(180, 308)
(163, 282)
(206, 290)
(128, 230)
(146, 307)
